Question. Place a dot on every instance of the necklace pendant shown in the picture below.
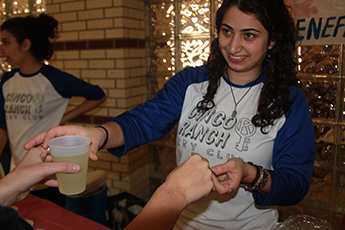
(234, 113)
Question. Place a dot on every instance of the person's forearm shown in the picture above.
(115, 136)
(8, 194)
(81, 109)
(161, 211)
(177, 192)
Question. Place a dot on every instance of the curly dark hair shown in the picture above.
(280, 62)
(37, 29)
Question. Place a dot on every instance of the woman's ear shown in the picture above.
(26, 44)
(271, 44)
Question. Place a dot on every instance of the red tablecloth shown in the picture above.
(49, 216)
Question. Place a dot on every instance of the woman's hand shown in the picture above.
(192, 179)
(95, 134)
(98, 137)
(230, 174)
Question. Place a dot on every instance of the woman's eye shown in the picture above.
(226, 31)
(249, 35)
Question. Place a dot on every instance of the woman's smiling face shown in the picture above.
(243, 42)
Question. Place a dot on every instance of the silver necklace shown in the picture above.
(234, 112)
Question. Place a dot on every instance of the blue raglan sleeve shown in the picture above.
(293, 156)
(69, 86)
(155, 118)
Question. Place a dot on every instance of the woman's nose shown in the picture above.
(235, 45)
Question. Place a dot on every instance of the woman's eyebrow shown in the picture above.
(242, 30)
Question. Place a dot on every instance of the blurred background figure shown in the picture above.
(34, 95)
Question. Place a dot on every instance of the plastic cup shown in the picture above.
(73, 149)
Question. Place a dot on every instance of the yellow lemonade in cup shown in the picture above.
(74, 149)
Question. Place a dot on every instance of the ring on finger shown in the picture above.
(230, 187)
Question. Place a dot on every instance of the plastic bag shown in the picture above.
(303, 222)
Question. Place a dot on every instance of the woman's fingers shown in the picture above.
(222, 186)
(35, 141)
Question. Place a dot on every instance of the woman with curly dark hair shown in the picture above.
(241, 111)
(279, 63)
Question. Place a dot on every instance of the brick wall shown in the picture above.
(103, 42)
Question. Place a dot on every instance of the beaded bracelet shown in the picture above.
(250, 186)
(106, 135)
(262, 182)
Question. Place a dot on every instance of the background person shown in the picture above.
(34, 96)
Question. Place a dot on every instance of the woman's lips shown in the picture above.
(236, 59)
